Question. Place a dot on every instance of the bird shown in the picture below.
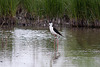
(55, 32)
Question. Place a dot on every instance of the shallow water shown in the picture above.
(21, 47)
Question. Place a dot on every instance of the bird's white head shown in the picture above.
(50, 24)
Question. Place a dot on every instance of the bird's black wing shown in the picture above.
(57, 31)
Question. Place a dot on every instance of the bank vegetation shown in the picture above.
(77, 13)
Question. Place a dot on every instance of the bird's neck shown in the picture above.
(50, 26)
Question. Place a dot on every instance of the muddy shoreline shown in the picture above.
(30, 21)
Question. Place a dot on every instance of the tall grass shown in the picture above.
(8, 7)
(4, 9)
(88, 10)
(13, 7)
(28, 5)
(53, 8)
(39, 7)
(77, 9)
(46, 8)
(84, 9)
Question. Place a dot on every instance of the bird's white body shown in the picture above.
(51, 29)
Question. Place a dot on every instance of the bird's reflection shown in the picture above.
(55, 56)
(53, 44)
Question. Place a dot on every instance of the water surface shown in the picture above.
(30, 47)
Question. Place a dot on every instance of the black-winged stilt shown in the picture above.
(55, 32)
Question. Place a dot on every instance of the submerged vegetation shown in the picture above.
(80, 12)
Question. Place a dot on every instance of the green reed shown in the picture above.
(53, 8)
(8, 7)
(39, 7)
(28, 5)
(13, 7)
(75, 9)
(46, 8)
(4, 9)
(84, 9)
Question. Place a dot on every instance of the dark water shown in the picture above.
(20, 47)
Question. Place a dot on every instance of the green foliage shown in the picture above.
(8, 7)
(28, 5)
(39, 7)
(13, 7)
(47, 8)
(84, 9)
(77, 9)
(53, 8)
(4, 9)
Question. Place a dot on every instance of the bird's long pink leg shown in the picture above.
(54, 41)
(57, 44)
